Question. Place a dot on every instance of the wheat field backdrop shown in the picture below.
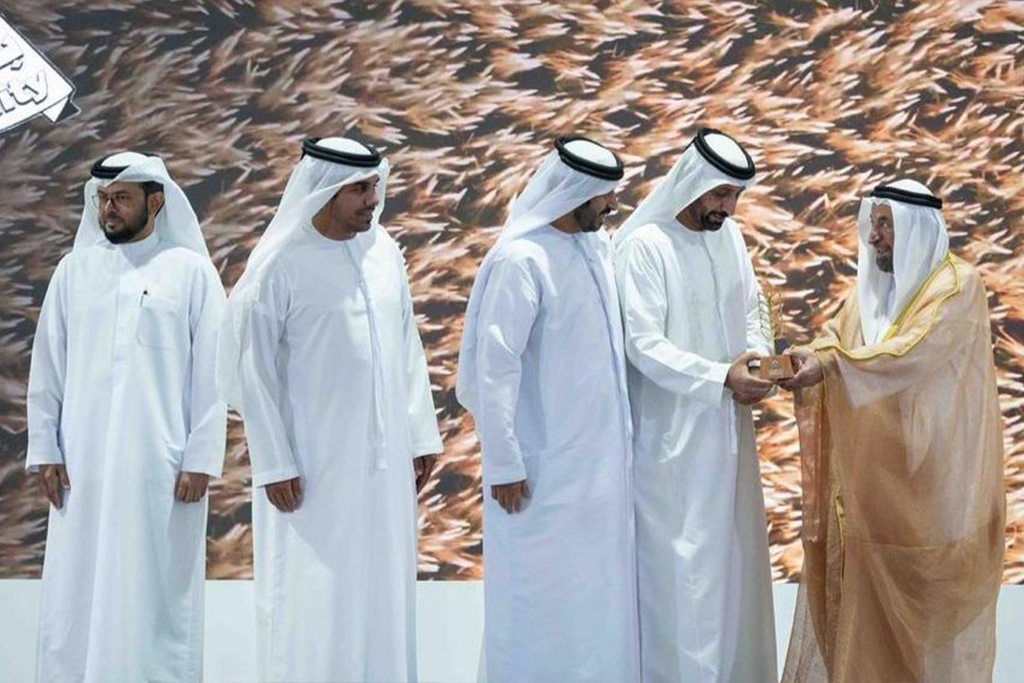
(465, 97)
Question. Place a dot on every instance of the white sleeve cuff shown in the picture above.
(47, 454)
(508, 474)
(274, 476)
(427, 448)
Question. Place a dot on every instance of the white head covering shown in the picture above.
(920, 244)
(711, 159)
(327, 165)
(175, 223)
(574, 173)
(557, 188)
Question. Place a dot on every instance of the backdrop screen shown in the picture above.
(465, 97)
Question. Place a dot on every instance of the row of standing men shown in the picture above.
(609, 380)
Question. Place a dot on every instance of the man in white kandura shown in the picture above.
(124, 428)
(691, 307)
(542, 371)
(320, 352)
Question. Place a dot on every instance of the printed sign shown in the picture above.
(29, 84)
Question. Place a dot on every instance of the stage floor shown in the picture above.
(449, 629)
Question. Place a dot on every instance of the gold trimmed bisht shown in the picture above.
(903, 500)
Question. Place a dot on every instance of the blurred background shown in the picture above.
(465, 98)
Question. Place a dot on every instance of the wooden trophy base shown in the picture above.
(774, 368)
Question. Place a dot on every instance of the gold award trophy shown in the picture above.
(772, 368)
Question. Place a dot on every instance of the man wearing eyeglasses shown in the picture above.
(125, 210)
(125, 429)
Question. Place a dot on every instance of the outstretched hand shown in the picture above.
(746, 387)
(808, 370)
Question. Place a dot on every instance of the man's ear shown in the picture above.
(156, 202)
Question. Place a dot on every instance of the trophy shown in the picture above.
(778, 366)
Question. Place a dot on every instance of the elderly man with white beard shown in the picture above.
(901, 449)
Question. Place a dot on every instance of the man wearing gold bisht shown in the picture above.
(901, 446)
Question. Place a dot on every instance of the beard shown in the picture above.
(589, 219)
(884, 261)
(132, 227)
(713, 221)
(364, 221)
(349, 221)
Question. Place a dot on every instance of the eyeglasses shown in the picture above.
(120, 199)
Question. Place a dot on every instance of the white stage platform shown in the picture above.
(449, 627)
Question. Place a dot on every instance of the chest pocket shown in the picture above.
(158, 322)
